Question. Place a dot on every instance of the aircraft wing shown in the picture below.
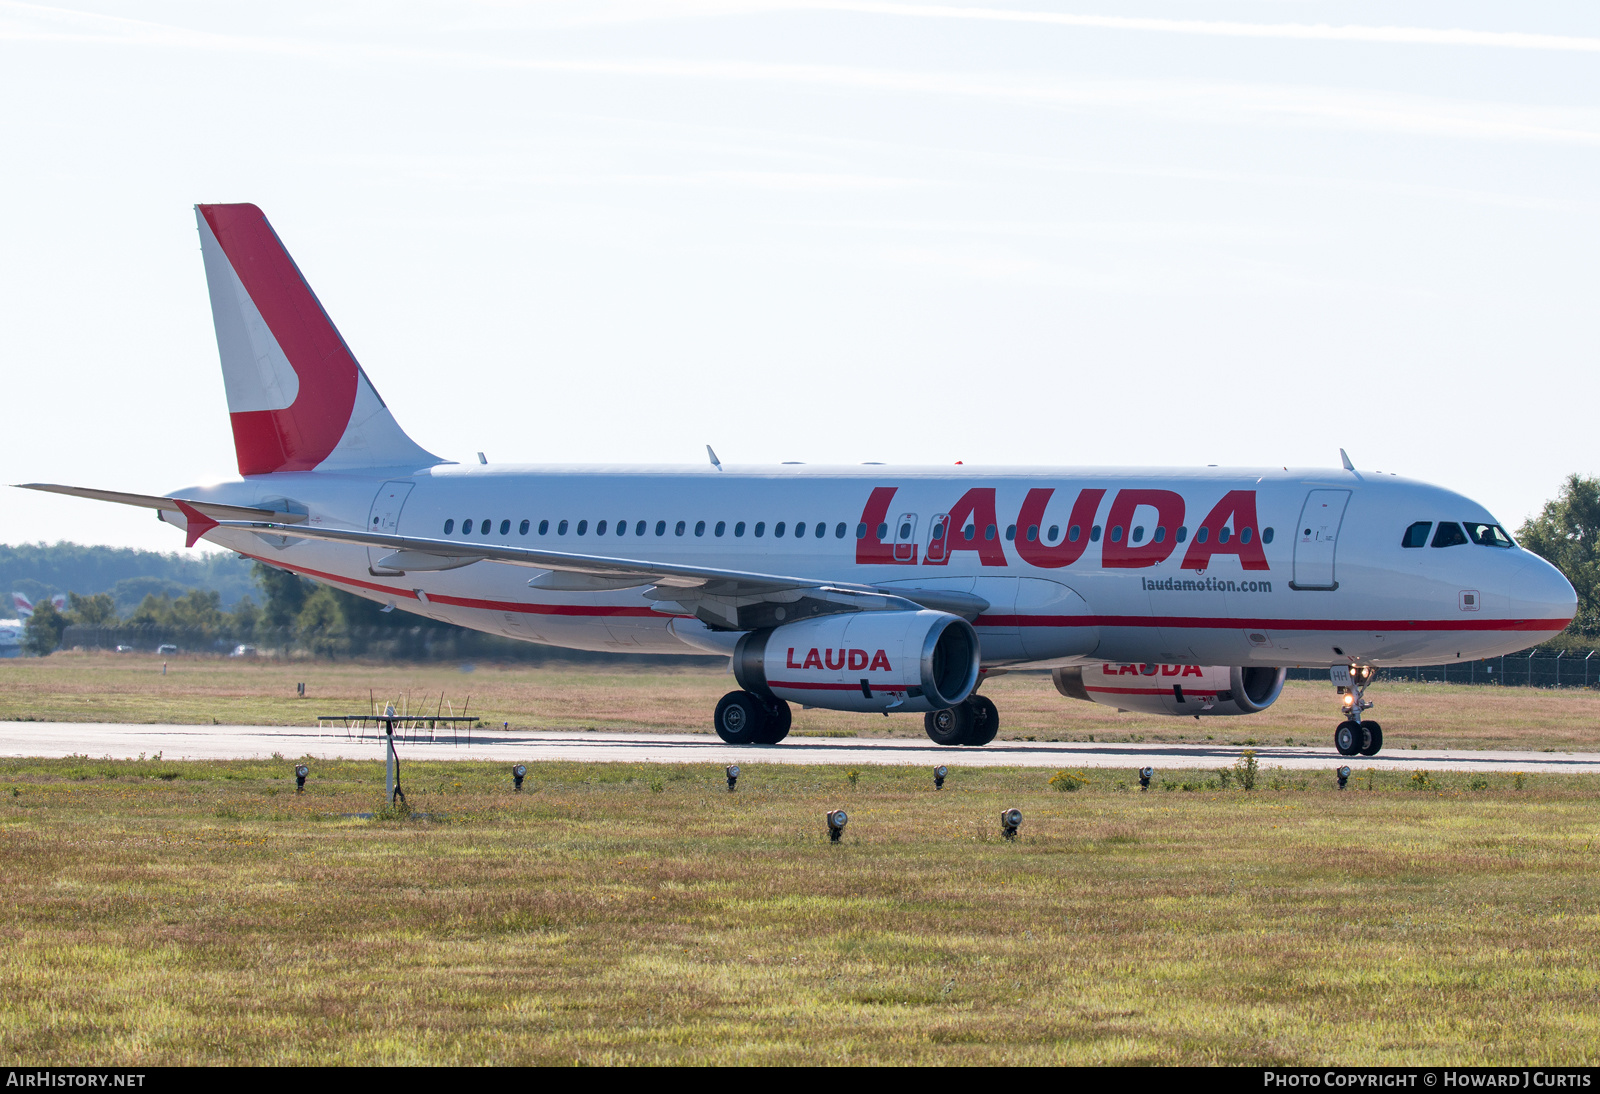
(150, 501)
(729, 599)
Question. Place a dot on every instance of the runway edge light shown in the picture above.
(837, 819)
(1010, 821)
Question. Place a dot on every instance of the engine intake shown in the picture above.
(863, 661)
(1202, 690)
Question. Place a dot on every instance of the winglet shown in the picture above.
(1348, 466)
(197, 522)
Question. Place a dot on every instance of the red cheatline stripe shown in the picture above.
(1187, 692)
(1378, 625)
(1381, 626)
(469, 602)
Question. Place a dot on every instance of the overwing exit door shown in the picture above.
(385, 518)
(1317, 539)
(905, 538)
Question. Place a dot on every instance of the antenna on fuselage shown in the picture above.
(1345, 459)
(713, 454)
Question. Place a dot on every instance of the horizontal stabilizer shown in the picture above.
(210, 509)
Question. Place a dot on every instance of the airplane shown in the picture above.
(12, 632)
(871, 588)
(25, 606)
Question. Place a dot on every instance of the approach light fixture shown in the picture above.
(1344, 776)
(1145, 775)
(837, 819)
(1010, 821)
(938, 776)
(733, 777)
(518, 773)
(300, 773)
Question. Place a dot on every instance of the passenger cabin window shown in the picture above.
(678, 528)
(544, 527)
(1266, 535)
(622, 527)
(1094, 534)
(1011, 531)
(1116, 534)
(861, 531)
(1183, 534)
(839, 530)
(1449, 534)
(1055, 530)
(485, 529)
(1073, 533)
(638, 529)
(583, 527)
(1033, 533)
(738, 530)
(777, 529)
(505, 528)
(1488, 535)
(600, 529)
(449, 526)
(800, 530)
(883, 531)
(1137, 535)
(661, 527)
(699, 527)
(1417, 534)
(522, 529)
(761, 528)
(722, 526)
(820, 530)
(561, 529)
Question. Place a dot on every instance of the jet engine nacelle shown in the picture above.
(864, 661)
(1174, 689)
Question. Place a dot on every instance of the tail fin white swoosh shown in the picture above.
(297, 397)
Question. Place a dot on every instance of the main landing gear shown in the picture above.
(746, 719)
(1355, 737)
(974, 722)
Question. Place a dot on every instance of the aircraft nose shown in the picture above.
(1540, 591)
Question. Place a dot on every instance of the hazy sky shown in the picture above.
(1047, 233)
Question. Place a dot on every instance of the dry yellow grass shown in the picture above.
(203, 913)
(130, 688)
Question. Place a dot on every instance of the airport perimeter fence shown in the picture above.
(437, 642)
(1537, 668)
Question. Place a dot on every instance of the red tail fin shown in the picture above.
(296, 395)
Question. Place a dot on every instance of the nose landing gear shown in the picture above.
(1355, 737)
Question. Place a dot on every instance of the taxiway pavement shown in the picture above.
(187, 742)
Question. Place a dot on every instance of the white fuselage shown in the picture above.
(1316, 576)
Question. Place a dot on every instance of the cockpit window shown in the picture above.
(1449, 534)
(1489, 535)
(1417, 534)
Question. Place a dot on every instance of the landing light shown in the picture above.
(1010, 821)
(300, 773)
(1344, 776)
(938, 776)
(1145, 775)
(837, 819)
(1348, 701)
(518, 773)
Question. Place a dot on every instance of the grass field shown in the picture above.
(158, 912)
(104, 687)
